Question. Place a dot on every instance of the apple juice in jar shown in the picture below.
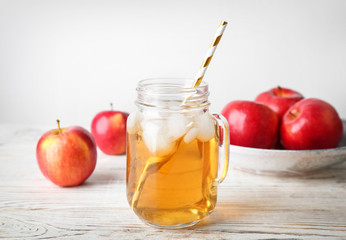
(172, 154)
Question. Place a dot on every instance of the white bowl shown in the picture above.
(286, 162)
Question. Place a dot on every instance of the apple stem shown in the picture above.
(58, 121)
(293, 114)
(111, 106)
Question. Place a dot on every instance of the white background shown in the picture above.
(70, 59)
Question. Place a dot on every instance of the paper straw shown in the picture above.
(145, 173)
(210, 53)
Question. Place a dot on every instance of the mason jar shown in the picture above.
(174, 146)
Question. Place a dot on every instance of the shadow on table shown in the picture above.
(252, 202)
(337, 172)
(106, 177)
(230, 212)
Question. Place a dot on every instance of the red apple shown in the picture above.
(251, 124)
(311, 124)
(109, 131)
(66, 156)
(279, 99)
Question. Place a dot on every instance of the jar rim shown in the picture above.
(185, 84)
(177, 91)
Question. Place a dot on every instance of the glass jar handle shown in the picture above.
(223, 144)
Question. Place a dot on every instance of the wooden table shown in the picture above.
(249, 206)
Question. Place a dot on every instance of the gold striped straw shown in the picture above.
(197, 82)
(210, 53)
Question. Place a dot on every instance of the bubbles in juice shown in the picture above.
(172, 164)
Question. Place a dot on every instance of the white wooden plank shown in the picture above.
(249, 206)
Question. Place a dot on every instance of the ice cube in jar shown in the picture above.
(206, 125)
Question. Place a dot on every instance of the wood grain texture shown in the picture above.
(249, 206)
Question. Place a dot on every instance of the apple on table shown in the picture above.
(66, 156)
(108, 128)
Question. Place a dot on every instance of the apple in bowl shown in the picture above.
(279, 99)
(311, 124)
(311, 132)
(251, 124)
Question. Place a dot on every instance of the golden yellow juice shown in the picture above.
(174, 187)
